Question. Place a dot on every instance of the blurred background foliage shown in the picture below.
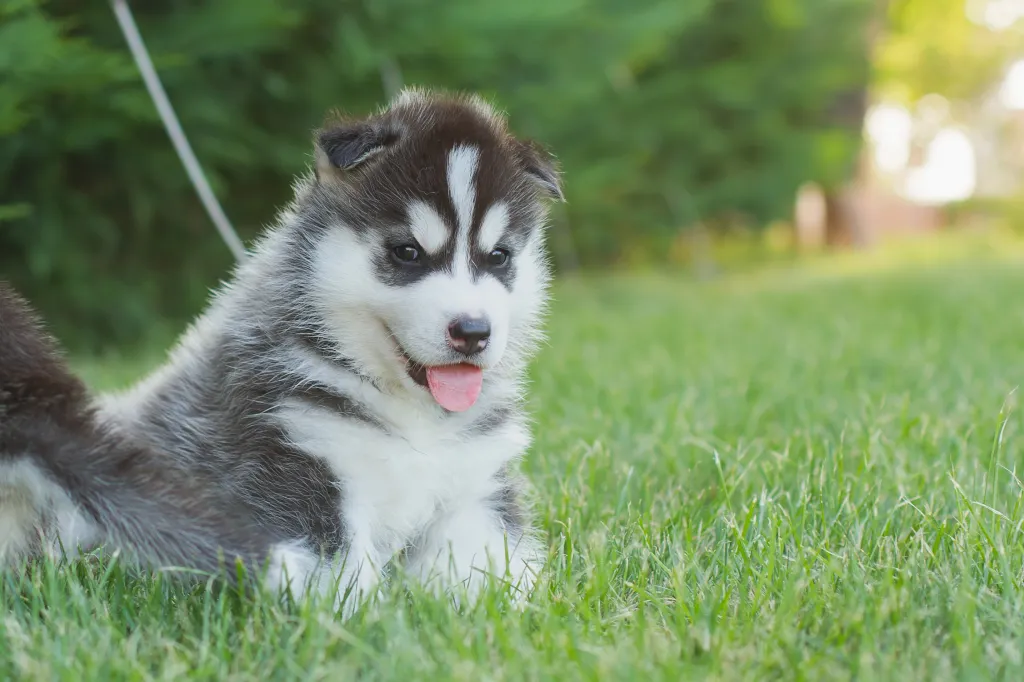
(670, 119)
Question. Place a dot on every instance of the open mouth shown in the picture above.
(455, 387)
(416, 371)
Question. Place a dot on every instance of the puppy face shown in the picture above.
(430, 265)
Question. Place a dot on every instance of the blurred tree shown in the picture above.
(942, 47)
(664, 114)
(843, 223)
(945, 62)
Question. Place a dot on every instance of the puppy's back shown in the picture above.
(60, 466)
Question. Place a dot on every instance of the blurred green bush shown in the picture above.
(1006, 213)
(663, 113)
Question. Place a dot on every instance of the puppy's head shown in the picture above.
(429, 263)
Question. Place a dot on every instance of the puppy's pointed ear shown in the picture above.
(347, 146)
(540, 165)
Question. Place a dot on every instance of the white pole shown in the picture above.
(177, 135)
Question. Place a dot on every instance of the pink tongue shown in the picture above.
(455, 387)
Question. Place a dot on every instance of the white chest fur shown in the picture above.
(394, 484)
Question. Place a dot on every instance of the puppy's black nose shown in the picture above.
(469, 335)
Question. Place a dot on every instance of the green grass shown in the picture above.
(793, 475)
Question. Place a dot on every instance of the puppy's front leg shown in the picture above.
(295, 568)
(476, 542)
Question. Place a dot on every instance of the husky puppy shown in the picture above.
(60, 467)
(357, 384)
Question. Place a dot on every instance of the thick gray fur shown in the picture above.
(60, 464)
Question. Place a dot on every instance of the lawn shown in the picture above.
(805, 474)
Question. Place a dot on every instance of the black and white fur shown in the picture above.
(300, 390)
(60, 467)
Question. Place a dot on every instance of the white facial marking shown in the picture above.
(427, 227)
(462, 163)
(493, 226)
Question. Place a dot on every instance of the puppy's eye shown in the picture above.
(497, 258)
(407, 253)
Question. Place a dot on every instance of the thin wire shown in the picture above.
(177, 135)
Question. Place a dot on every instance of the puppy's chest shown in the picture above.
(396, 482)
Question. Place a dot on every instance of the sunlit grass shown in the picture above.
(813, 474)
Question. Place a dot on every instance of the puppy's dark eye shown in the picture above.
(407, 253)
(497, 258)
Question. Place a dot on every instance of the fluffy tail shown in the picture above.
(63, 469)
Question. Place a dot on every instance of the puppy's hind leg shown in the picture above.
(36, 516)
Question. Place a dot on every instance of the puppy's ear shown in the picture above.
(540, 165)
(347, 146)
